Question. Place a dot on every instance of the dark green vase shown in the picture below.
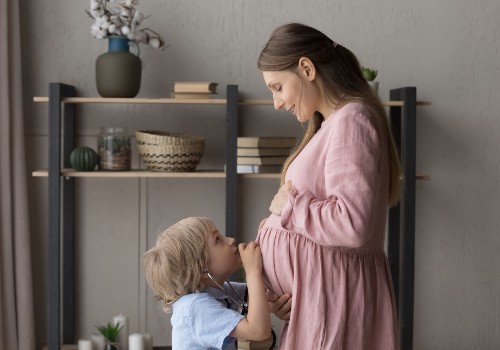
(118, 71)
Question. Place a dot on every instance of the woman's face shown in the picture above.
(224, 255)
(293, 92)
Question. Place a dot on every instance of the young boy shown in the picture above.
(187, 270)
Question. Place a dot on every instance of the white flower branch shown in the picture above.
(112, 18)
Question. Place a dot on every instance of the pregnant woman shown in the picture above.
(323, 244)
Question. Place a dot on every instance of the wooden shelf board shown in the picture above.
(260, 175)
(134, 173)
(422, 177)
(215, 101)
(277, 176)
(146, 173)
(424, 103)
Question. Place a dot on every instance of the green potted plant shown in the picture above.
(110, 333)
(370, 74)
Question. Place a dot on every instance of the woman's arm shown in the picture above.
(257, 324)
(344, 216)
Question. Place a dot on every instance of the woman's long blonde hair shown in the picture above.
(340, 73)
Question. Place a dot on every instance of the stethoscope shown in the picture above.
(242, 304)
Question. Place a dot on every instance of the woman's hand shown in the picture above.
(280, 198)
(281, 306)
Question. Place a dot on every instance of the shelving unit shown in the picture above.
(61, 284)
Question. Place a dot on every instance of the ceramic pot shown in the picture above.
(110, 346)
(118, 71)
(374, 85)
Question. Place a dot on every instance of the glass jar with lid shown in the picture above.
(113, 148)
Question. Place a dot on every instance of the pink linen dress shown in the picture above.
(327, 248)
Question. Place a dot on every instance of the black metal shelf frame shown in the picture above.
(401, 222)
(61, 283)
(61, 213)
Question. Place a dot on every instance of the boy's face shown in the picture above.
(224, 255)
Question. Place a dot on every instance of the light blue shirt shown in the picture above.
(203, 321)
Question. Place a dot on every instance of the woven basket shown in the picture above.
(163, 151)
(167, 138)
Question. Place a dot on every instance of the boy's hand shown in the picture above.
(251, 257)
(257, 324)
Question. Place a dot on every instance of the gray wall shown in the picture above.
(448, 50)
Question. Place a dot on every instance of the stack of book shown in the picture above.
(194, 89)
(263, 154)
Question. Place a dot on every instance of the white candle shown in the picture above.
(98, 341)
(123, 335)
(84, 344)
(148, 341)
(136, 341)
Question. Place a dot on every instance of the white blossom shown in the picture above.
(121, 17)
(126, 4)
(125, 30)
(154, 43)
(96, 6)
(97, 13)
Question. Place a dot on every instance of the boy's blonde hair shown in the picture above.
(174, 266)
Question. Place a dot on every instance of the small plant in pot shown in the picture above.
(110, 333)
(370, 74)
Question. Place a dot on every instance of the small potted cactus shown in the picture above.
(110, 333)
(370, 74)
(83, 159)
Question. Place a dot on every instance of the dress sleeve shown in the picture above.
(344, 216)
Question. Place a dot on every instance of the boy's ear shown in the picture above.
(307, 68)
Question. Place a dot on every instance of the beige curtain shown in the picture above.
(17, 326)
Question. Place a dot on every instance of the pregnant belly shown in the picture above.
(278, 249)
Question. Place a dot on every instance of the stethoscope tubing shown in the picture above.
(243, 305)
